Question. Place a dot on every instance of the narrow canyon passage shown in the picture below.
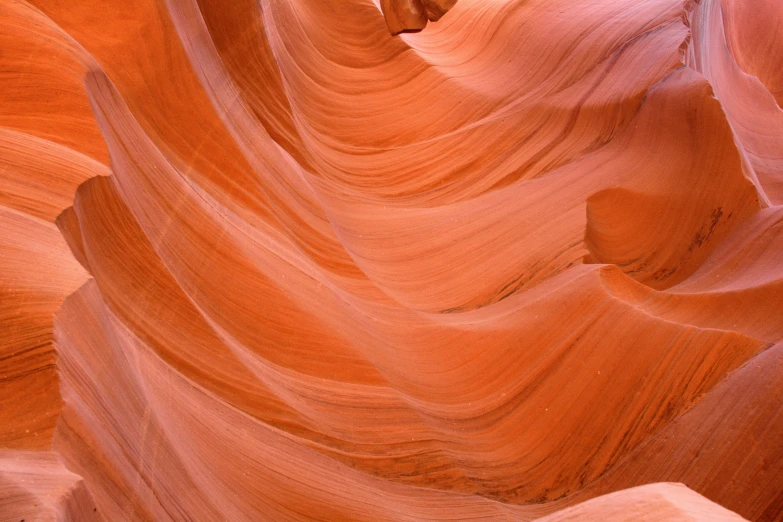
(391, 260)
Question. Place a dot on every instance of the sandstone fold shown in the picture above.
(264, 260)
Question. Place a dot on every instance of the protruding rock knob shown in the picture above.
(411, 16)
(435, 9)
(404, 16)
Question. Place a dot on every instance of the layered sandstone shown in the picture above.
(262, 260)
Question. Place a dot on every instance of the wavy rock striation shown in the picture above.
(263, 261)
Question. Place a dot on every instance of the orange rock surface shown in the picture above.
(263, 260)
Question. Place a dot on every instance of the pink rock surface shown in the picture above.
(654, 502)
(34, 485)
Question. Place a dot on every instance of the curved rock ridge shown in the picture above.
(664, 501)
(262, 260)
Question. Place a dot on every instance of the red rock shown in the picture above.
(404, 16)
(435, 9)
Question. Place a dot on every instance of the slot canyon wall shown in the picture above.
(392, 260)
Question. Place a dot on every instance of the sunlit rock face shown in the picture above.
(263, 260)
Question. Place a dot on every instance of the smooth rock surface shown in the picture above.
(262, 260)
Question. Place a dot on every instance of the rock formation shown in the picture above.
(262, 260)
